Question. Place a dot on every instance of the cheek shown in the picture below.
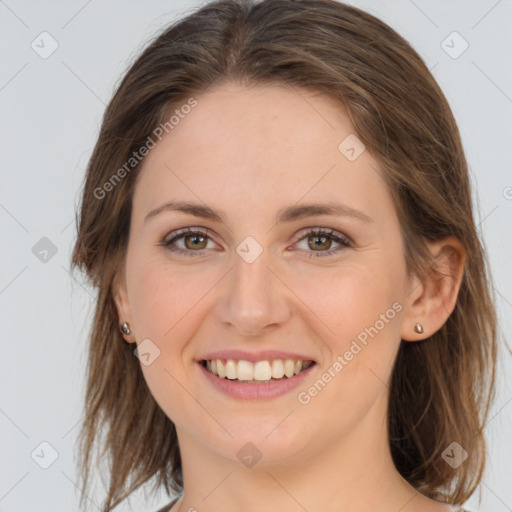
(362, 310)
(163, 297)
(162, 300)
(357, 310)
(155, 303)
(349, 299)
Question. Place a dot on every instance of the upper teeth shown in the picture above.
(261, 370)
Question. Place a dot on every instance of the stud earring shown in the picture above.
(125, 328)
(418, 328)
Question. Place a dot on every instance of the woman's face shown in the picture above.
(262, 279)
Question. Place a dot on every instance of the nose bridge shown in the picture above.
(253, 299)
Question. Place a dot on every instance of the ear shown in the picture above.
(122, 304)
(431, 301)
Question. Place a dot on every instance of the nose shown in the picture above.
(254, 300)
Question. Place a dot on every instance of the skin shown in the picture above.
(248, 152)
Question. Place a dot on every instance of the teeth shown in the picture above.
(260, 371)
(289, 367)
(245, 370)
(231, 371)
(221, 370)
(277, 369)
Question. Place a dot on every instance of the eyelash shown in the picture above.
(318, 232)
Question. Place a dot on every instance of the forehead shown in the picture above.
(259, 145)
(281, 116)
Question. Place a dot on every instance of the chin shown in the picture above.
(265, 439)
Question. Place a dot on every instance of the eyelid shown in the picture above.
(180, 233)
(303, 232)
(340, 238)
(326, 231)
(344, 242)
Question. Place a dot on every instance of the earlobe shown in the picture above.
(432, 300)
(413, 318)
(120, 297)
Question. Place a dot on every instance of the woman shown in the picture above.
(294, 308)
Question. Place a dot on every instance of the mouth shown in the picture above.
(259, 372)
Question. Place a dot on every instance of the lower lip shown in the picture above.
(271, 389)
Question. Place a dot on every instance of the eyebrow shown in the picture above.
(288, 214)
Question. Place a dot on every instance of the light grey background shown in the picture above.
(50, 115)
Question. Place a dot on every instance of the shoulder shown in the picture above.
(169, 505)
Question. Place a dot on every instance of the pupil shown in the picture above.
(195, 239)
(318, 244)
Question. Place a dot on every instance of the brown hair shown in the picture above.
(441, 387)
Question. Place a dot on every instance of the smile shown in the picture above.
(257, 372)
(259, 380)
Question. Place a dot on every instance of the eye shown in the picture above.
(195, 240)
(318, 239)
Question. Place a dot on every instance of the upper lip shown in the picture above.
(253, 357)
